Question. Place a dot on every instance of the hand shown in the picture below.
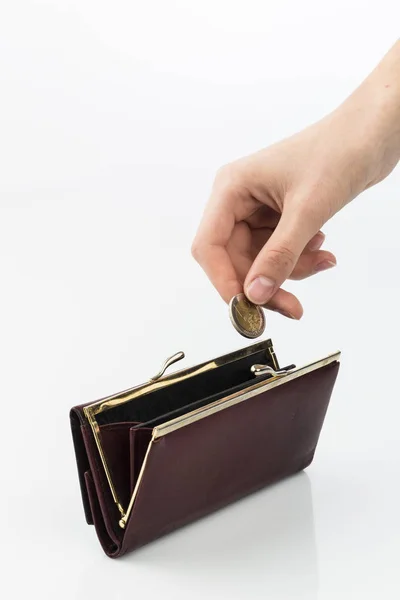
(263, 220)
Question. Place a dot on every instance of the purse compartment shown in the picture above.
(116, 444)
(201, 389)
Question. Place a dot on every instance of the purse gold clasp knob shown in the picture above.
(170, 361)
(259, 370)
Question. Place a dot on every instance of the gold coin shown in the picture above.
(247, 318)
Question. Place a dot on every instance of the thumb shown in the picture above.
(277, 259)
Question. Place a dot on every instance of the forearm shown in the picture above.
(378, 99)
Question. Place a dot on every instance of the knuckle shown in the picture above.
(282, 257)
(225, 173)
(228, 179)
(196, 250)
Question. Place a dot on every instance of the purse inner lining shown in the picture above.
(199, 390)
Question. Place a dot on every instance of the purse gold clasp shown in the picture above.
(170, 361)
(259, 370)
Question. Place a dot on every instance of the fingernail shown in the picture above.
(260, 290)
(286, 314)
(317, 242)
(325, 264)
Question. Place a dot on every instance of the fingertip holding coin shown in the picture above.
(247, 318)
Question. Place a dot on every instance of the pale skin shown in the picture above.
(262, 224)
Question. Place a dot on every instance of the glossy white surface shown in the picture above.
(114, 118)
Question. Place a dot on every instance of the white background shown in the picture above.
(114, 117)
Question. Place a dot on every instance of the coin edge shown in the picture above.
(244, 332)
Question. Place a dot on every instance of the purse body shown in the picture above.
(206, 457)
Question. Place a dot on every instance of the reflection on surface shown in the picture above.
(261, 546)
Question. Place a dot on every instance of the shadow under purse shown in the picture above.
(160, 455)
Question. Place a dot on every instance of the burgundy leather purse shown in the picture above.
(162, 454)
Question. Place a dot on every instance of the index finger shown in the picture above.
(210, 247)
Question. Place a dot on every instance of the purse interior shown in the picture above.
(199, 390)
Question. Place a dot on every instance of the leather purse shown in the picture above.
(160, 455)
